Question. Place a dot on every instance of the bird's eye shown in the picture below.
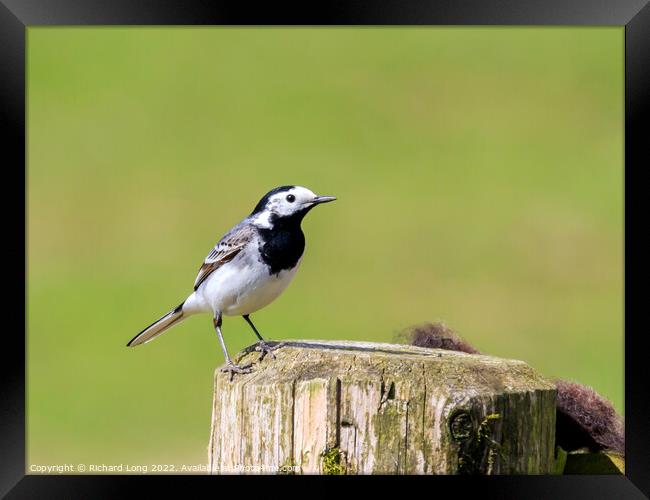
(291, 198)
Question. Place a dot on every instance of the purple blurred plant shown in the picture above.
(584, 418)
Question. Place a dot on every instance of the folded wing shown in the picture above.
(225, 250)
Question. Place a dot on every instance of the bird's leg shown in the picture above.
(230, 367)
(262, 346)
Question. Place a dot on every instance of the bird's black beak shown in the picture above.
(322, 199)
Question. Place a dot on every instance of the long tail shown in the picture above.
(159, 326)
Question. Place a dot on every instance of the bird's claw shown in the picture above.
(233, 368)
(263, 348)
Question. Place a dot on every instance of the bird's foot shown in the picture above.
(232, 368)
(265, 349)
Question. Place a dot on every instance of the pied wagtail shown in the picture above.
(248, 268)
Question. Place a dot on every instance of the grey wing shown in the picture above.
(225, 250)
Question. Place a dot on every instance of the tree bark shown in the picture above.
(343, 407)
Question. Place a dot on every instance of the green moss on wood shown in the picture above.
(560, 461)
(331, 462)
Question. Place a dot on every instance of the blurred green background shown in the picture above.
(480, 181)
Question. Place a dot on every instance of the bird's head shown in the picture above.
(286, 202)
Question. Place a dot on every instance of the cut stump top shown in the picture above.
(454, 371)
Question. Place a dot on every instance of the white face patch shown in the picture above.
(285, 204)
(289, 202)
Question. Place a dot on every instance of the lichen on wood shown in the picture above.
(367, 408)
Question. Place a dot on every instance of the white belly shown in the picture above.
(242, 286)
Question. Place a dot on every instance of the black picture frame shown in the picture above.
(17, 15)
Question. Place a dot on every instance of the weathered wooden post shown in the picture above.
(359, 408)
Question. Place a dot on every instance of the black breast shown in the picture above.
(282, 246)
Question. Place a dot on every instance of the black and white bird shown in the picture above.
(248, 268)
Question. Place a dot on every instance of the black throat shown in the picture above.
(283, 243)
